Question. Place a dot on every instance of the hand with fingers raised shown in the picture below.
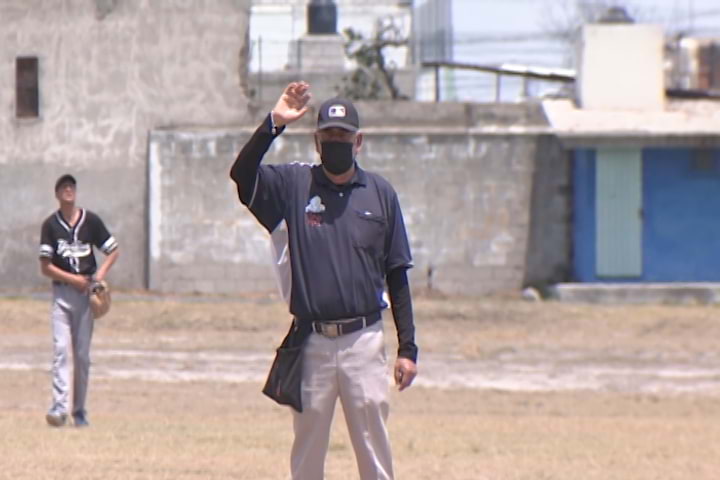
(292, 104)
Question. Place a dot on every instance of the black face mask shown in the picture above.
(337, 157)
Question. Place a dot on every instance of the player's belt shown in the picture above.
(336, 328)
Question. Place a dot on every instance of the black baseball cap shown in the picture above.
(67, 178)
(338, 112)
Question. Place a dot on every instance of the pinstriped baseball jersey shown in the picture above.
(70, 248)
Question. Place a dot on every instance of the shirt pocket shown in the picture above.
(369, 230)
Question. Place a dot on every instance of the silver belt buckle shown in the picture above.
(331, 330)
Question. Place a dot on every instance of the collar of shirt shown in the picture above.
(359, 178)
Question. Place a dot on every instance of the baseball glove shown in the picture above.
(100, 299)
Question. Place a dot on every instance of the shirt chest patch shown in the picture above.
(313, 211)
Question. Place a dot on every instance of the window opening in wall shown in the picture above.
(26, 88)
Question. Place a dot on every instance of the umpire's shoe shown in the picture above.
(55, 418)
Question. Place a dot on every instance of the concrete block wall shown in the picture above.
(145, 102)
(109, 72)
(466, 190)
(267, 87)
(550, 236)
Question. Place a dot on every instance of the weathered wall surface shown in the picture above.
(144, 102)
(550, 237)
(266, 87)
(107, 77)
(464, 174)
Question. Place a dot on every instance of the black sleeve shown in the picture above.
(396, 240)
(245, 169)
(401, 305)
(257, 187)
(47, 243)
(102, 238)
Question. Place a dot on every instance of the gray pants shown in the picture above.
(72, 326)
(353, 368)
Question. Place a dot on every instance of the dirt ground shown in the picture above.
(507, 389)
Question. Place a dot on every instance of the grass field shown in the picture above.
(171, 428)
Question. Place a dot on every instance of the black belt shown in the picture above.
(336, 328)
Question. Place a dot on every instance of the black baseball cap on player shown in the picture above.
(338, 112)
(67, 178)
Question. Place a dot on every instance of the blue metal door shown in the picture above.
(678, 225)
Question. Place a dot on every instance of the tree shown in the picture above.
(374, 75)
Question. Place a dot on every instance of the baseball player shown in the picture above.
(66, 256)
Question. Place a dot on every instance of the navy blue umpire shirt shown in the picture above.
(344, 240)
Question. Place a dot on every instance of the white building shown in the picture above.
(282, 50)
(277, 27)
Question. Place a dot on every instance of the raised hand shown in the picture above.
(292, 104)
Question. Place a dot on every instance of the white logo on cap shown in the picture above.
(336, 111)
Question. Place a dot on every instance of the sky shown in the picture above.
(516, 31)
(477, 22)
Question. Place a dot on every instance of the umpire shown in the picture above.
(347, 240)
(66, 256)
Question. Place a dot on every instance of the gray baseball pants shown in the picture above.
(72, 328)
(354, 368)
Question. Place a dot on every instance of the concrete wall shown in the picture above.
(266, 87)
(464, 174)
(621, 67)
(277, 25)
(550, 242)
(139, 89)
(109, 73)
(282, 51)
